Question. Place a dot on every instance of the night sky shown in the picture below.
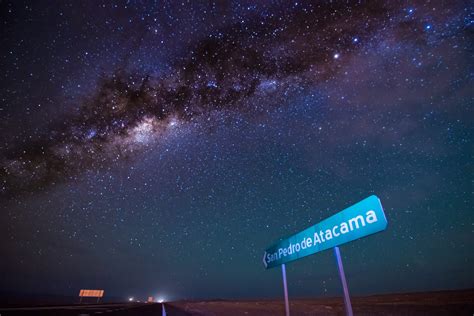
(159, 148)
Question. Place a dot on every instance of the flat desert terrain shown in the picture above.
(429, 303)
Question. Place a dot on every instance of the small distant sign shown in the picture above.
(91, 293)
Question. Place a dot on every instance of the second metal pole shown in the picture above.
(285, 289)
(347, 299)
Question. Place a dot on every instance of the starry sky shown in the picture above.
(157, 148)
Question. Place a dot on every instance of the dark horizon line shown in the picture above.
(5, 294)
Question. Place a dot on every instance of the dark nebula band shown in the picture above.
(244, 68)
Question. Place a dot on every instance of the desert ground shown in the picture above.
(460, 302)
(432, 303)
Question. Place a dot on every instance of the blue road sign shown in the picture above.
(357, 221)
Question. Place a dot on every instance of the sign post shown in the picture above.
(347, 298)
(359, 220)
(285, 289)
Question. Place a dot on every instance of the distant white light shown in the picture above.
(161, 300)
(336, 56)
(130, 299)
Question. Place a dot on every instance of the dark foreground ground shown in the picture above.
(433, 304)
(125, 309)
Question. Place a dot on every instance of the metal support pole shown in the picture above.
(347, 299)
(285, 289)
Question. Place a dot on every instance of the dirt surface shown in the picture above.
(433, 303)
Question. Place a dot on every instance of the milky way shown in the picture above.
(243, 68)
